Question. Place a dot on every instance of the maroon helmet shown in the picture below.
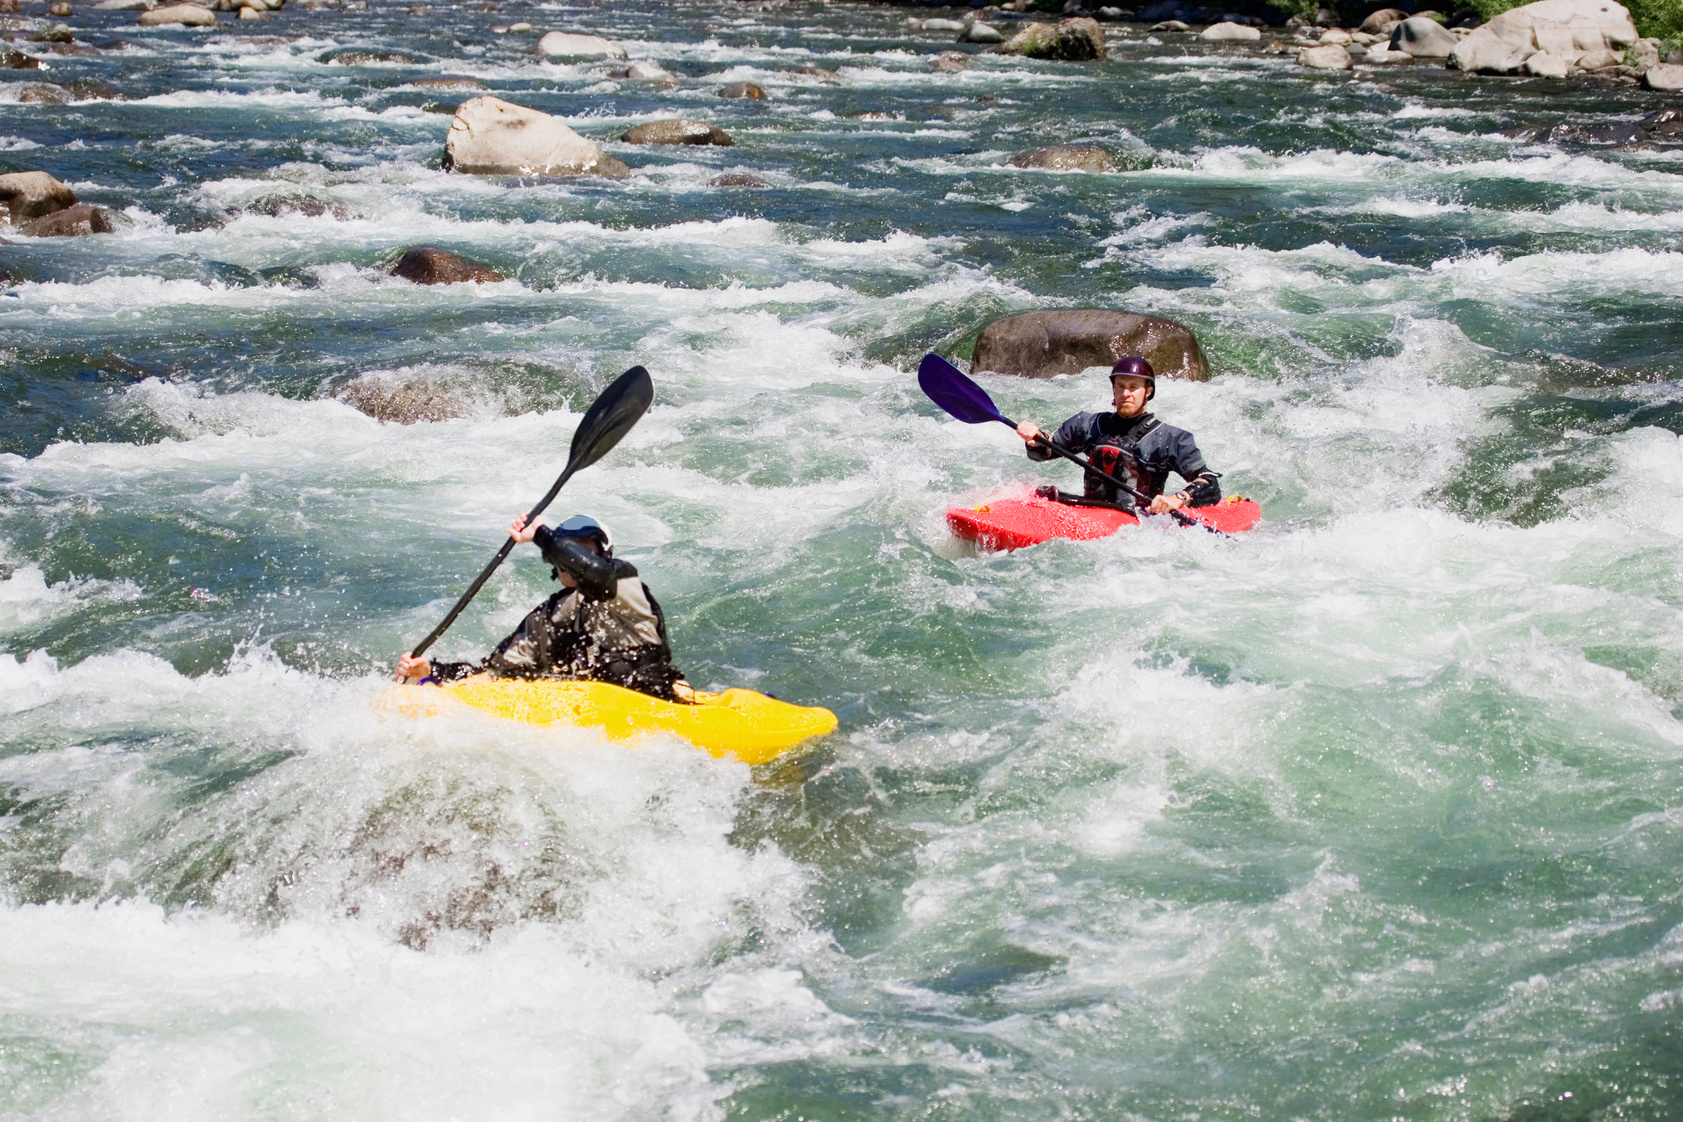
(1133, 366)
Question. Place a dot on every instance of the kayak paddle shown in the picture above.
(625, 400)
(954, 391)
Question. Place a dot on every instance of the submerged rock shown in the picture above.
(71, 222)
(31, 194)
(423, 264)
(489, 136)
(447, 83)
(308, 206)
(1070, 40)
(43, 93)
(1066, 157)
(188, 15)
(561, 44)
(1423, 38)
(951, 61)
(389, 400)
(1565, 29)
(737, 179)
(17, 60)
(680, 130)
(743, 89)
(1045, 344)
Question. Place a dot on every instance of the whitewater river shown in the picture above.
(1374, 813)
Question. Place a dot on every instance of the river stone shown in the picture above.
(188, 15)
(1422, 38)
(1378, 20)
(1599, 60)
(391, 401)
(489, 136)
(1384, 56)
(31, 194)
(1065, 157)
(743, 89)
(681, 130)
(447, 83)
(645, 71)
(561, 44)
(1663, 76)
(308, 206)
(423, 264)
(42, 93)
(1070, 40)
(1224, 32)
(1546, 65)
(1044, 344)
(1335, 36)
(980, 32)
(73, 221)
(1169, 25)
(951, 61)
(942, 25)
(737, 179)
(1563, 28)
(125, 5)
(1333, 57)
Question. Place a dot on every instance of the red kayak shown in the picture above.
(1026, 519)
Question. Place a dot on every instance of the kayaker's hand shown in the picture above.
(521, 532)
(1162, 504)
(1029, 431)
(411, 669)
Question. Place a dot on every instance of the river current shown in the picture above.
(1375, 812)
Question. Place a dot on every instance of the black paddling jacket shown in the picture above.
(1142, 450)
(608, 629)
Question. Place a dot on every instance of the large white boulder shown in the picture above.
(1423, 38)
(1229, 32)
(1563, 28)
(1331, 57)
(189, 15)
(1663, 76)
(562, 44)
(489, 136)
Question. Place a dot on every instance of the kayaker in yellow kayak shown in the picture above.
(604, 626)
(1131, 444)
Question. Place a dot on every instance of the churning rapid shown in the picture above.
(1375, 812)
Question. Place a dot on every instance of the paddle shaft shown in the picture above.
(1094, 469)
(485, 574)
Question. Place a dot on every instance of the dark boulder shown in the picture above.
(17, 60)
(425, 265)
(737, 179)
(680, 130)
(1044, 344)
(447, 83)
(71, 222)
(308, 206)
(32, 194)
(43, 93)
(1065, 157)
(1070, 40)
(743, 89)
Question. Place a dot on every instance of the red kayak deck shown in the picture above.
(1018, 521)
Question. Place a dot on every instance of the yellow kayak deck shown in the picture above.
(742, 723)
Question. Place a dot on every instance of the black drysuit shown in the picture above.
(607, 629)
(1141, 450)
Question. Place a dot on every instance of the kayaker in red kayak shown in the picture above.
(1132, 444)
(604, 626)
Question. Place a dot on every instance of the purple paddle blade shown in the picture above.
(948, 386)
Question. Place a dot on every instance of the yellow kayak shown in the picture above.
(750, 726)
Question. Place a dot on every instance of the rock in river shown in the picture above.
(737, 179)
(423, 264)
(1563, 28)
(1331, 57)
(71, 222)
(490, 136)
(31, 194)
(1044, 344)
(1423, 38)
(1663, 76)
(681, 130)
(1070, 40)
(951, 61)
(743, 89)
(188, 15)
(1065, 157)
(1224, 32)
(561, 44)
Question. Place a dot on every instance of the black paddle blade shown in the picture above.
(625, 400)
(950, 388)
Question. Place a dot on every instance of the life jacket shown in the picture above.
(1120, 457)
